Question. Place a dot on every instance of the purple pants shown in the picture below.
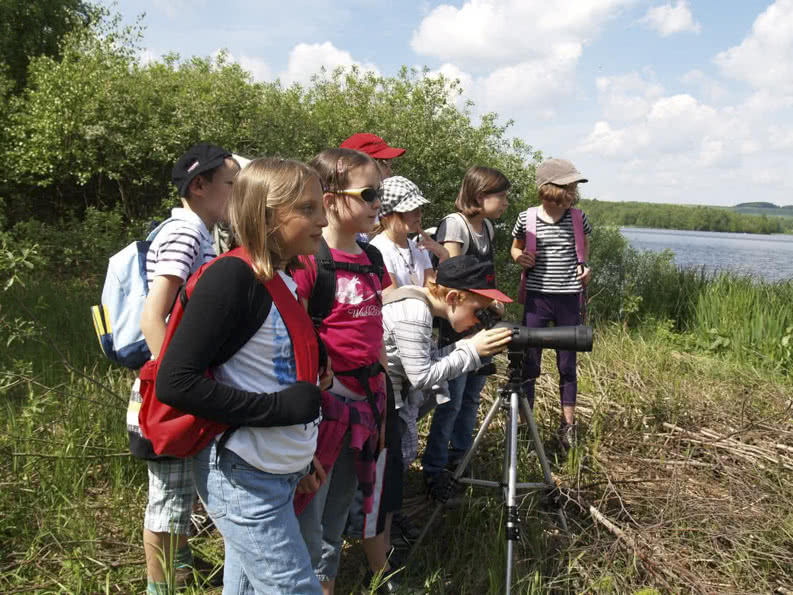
(563, 309)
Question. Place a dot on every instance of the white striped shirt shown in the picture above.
(413, 360)
(556, 261)
(180, 248)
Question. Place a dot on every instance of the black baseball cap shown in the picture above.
(471, 274)
(197, 160)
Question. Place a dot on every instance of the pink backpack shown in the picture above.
(531, 242)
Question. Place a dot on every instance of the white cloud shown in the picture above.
(669, 19)
(764, 59)
(482, 34)
(453, 72)
(627, 97)
(148, 56)
(260, 70)
(514, 53)
(709, 87)
(306, 60)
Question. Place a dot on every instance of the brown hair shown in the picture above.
(334, 167)
(559, 195)
(262, 191)
(478, 181)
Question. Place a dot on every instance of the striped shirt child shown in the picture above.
(555, 267)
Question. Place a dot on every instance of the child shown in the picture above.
(353, 335)
(400, 214)
(204, 176)
(407, 264)
(482, 197)
(555, 275)
(464, 285)
(247, 478)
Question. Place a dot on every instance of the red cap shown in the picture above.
(372, 145)
(493, 294)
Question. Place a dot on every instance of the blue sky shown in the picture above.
(679, 101)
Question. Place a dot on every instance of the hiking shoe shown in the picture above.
(403, 531)
(443, 488)
(568, 435)
(202, 572)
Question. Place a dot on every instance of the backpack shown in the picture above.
(320, 303)
(117, 318)
(467, 240)
(178, 434)
(531, 242)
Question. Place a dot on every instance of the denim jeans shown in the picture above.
(453, 422)
(322, 521)
(254, 512)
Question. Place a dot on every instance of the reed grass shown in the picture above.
(685, 448)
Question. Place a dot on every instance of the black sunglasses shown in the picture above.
(367, 194)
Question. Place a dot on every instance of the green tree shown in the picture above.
(30, 29)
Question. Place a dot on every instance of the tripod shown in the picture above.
(511, 401)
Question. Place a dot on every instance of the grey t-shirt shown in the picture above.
(455, 228)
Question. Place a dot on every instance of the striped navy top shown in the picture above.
(180, 248)
(556, 263)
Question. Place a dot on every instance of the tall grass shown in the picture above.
(673, 349)
(742, 318)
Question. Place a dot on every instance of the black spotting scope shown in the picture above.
(568, 338)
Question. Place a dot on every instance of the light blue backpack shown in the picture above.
(117, 318)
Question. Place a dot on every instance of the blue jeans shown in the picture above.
(254, 512)
(322, 521)
(453, 422)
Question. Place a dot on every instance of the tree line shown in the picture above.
(696, 218)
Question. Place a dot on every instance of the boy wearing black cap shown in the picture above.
(204, 176)
(464, 284)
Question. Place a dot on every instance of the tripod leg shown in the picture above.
(528, 413)
(513, 528)
(460, 468)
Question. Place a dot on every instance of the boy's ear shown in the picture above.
(452, 297)
(196, 186)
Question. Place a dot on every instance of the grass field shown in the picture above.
(681, 483)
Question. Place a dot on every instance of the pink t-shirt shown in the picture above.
(353, 331)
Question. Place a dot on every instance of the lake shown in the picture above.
(764, 256)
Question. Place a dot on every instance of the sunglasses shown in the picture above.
(365, 194)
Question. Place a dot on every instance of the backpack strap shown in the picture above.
(406, 292)
(578, 231)
(320, 302)
(529, 245)
(531, 230)
(153, 233)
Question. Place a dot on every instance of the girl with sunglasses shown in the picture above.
(353, 409)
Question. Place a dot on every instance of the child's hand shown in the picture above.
(311, 482)
(427, 243)
(527, 259)
(492, 341)
(584, 274)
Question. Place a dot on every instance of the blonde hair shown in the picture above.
(262, 191)
(439, 292)
(478, 181)
(384, 223)
(559, 195)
